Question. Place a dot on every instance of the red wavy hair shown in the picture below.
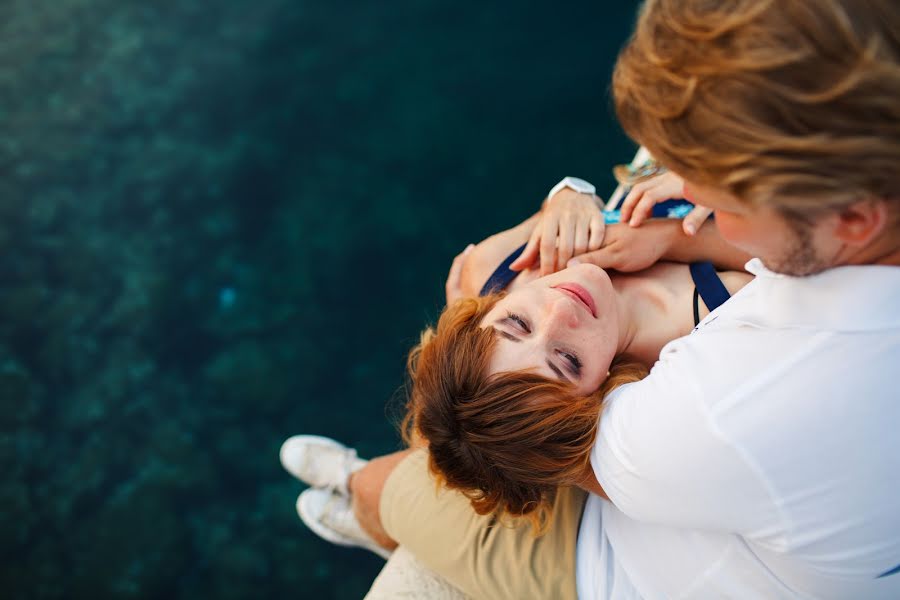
(507, 440)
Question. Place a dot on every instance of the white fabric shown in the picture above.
(761, 456)
(404, 576)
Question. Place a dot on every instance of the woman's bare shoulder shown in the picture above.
(735, 280)
(678, 274)
(490, 252)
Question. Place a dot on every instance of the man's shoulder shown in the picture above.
(728, 361)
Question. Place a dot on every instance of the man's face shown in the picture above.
(761, 231)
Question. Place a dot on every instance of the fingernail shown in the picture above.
(468, 248)
(572, 262)
(690, 228)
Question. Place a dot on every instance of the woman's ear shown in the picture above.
(862, 222)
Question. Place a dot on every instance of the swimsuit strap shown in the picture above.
(502, 275)
(709, 287)
(696, 306)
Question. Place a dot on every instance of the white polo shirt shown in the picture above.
(761, 456)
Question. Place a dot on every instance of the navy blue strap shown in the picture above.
(696, 306)
(502, 275)
(709, 286)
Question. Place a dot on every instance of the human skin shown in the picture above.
(547, 327)
(551, 325)
(554, 314)
(366, 486)
(859, 234)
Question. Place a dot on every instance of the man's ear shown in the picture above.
(862, 222)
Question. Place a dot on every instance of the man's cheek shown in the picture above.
(730, 228)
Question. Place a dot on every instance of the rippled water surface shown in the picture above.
(225, 222)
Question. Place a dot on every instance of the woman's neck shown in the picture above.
(653, 309)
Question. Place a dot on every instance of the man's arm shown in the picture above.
(590, 484)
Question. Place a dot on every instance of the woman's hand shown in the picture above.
(569, 225)
(638, 204)
(628, 249)
(453, 286)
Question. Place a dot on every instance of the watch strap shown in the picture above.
(573, 183)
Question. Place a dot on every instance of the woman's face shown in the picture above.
(564, 326)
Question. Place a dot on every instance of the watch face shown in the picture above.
(580, 185)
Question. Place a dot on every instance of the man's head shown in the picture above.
(783, 116)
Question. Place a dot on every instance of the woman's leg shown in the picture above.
(477, 554)
(366, 486)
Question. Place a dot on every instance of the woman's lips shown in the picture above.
(580, 294)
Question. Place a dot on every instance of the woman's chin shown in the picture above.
(591, 276)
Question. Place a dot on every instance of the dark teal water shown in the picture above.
(224, 223)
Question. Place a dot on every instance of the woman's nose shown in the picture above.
(562, 314)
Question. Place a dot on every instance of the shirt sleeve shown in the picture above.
(661, 459)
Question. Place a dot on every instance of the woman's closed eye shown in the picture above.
(518, 322)
(573, 364)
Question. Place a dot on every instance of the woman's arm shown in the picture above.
(631, 249)
(485, 256)
(706, 244)
(568, 224)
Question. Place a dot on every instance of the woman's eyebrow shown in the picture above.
(553, 367)
(507, 335)
(556, 370)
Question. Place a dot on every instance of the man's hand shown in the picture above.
(627, 249)
(453, 287)
(638, 204)
(570, 224)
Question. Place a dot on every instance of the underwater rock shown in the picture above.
(225, 223)
(17, 519)
(19, 393)
(245, 370)
(124, 553)
(22, 305)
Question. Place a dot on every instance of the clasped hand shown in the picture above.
(638, 204)
(571, 230)
(569, 225)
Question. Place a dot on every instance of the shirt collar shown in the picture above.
(850, 298)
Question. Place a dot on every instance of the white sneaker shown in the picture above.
(330, 516)
(320, 461)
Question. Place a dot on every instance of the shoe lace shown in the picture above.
(339, 516)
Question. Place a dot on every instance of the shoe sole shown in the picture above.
(307, 438)
(311, 521)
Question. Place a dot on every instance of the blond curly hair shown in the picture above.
(794, 104)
